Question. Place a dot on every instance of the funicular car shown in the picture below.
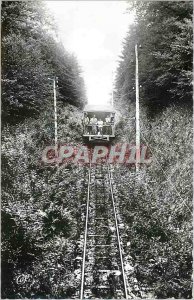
(98, 122)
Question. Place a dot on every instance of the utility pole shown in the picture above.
(137, 112)
(112, 100)
(55, 113)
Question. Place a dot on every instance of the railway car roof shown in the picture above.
(96, 108)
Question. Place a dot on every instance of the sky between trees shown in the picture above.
(94, 32)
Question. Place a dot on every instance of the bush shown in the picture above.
(157, 207)
(41, 210)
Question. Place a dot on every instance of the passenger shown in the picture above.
(93, 122)
(100, 126)
(107, 119)
(86, 122)
(108, 128)
(112, 118)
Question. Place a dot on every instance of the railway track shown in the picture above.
(103, 274)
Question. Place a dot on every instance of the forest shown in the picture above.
(163, 32)
(158, 207)
(43, 207)
(31, 53)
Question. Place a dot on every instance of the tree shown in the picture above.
(164, 31)
(31, 53)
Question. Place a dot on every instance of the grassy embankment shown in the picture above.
(42, 211)
(157, 208)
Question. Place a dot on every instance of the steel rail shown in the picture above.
(86, 231)
(117, 230)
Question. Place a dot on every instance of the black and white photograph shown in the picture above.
(96, 149)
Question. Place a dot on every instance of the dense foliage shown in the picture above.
(31, 53)
(42, 210)
(156, 205)
(41, 205)
(163, 32)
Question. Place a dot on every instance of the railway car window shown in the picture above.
(99, 124)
